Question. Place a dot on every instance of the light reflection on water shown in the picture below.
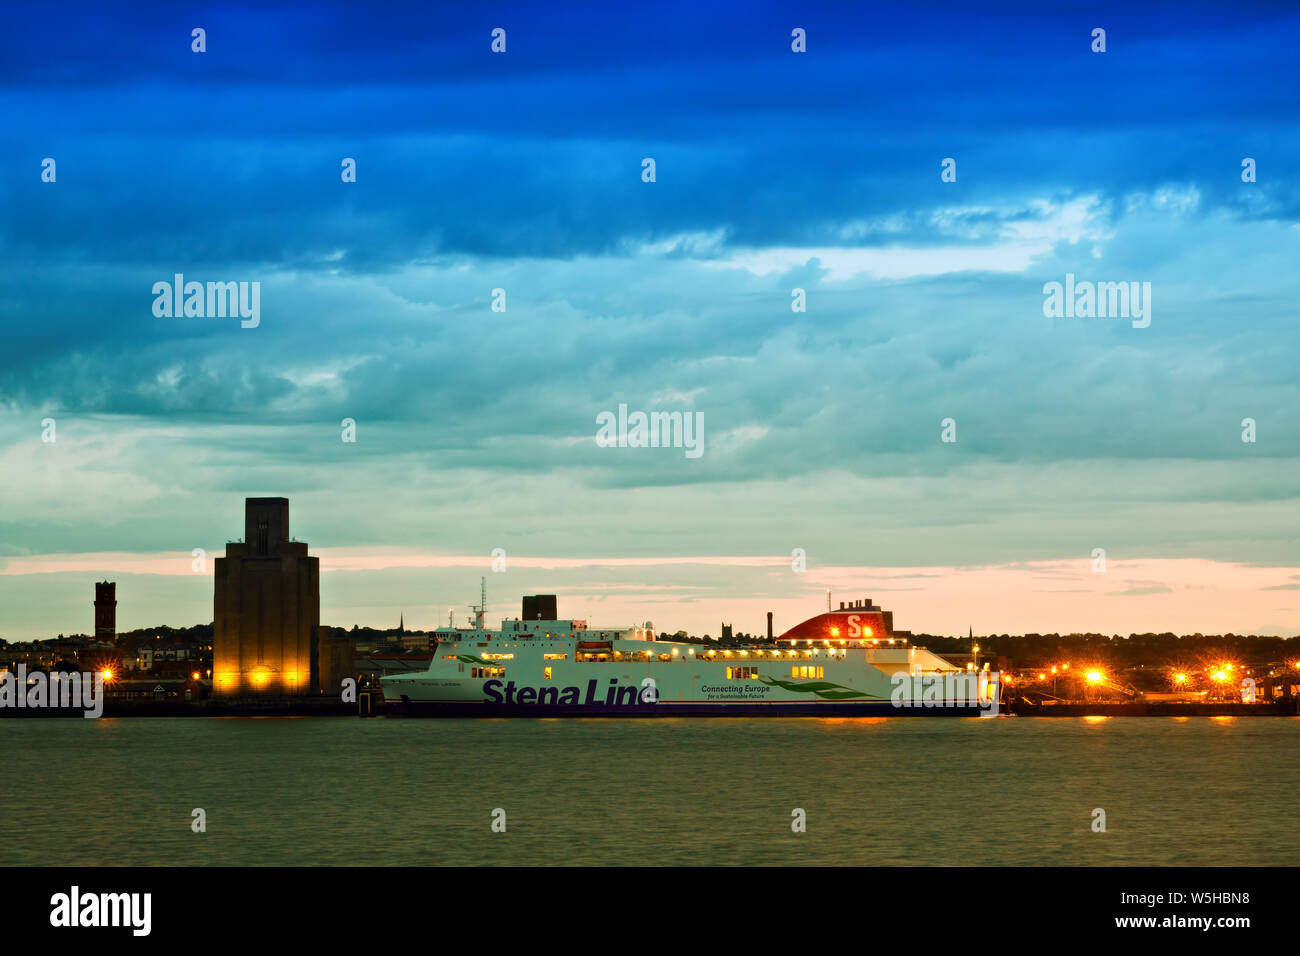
(877, 791)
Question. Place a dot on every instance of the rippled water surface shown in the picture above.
(1195, 791)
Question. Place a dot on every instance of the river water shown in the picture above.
(873, 791)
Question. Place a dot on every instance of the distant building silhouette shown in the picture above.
(106, 611)
(266, 608)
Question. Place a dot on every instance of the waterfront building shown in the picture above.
(266, 608)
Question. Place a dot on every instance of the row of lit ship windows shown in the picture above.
(605, 657)
(740, 672)
(748, 673)
(866, 639)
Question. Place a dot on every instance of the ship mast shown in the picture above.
(480, 608)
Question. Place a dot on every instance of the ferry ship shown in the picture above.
(845, 663)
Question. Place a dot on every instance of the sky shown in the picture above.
(774, 170)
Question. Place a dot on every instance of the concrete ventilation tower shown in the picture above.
(266, 608)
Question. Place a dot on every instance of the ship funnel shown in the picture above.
(540, 607)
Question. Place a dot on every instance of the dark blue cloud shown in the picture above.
(234, 153)
(225, 165)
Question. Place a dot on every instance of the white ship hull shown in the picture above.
(556, 675)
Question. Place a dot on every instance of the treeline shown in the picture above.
(195, 633)
(1038, 650)
(131, 641)
(176, 635)
(376, 634)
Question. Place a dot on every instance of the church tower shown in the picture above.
(105, 612)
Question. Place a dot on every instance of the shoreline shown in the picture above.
(331, 707)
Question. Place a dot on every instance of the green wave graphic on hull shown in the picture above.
(821, 688)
